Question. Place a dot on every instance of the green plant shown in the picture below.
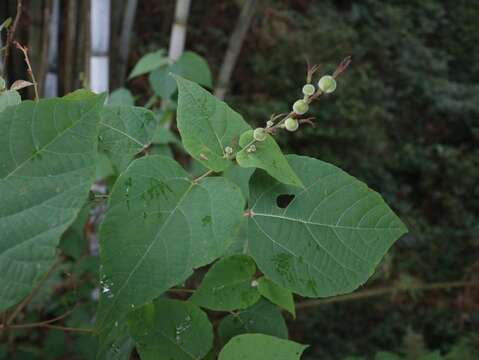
(271, 225)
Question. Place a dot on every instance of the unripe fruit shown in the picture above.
(300, 107)
(308, 89)
(327, 84)
(259, 134)
(291, 124)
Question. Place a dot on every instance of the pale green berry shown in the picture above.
(228, 150)
(308, 89)
(259, 134)
(251, 149)
(291, 124)
(327, 84)
(300, 107)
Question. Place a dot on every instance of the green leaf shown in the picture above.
(171, 329)
(46, 170)
(267, 156)
(261, 318)
(258, 346)
(9, 98)
(162, 83)
(104, 167)
(276, 294)
(124, 132)
(189, 66)
(227, 285)
(164, 136)
(193, 67)
(329, 239)
(149, 62)
(240, 176)
(159, 226)
(121, 96)
(207, 125)
(118, 344)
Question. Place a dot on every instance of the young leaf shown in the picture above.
(258, 346)
(261, 318)
(227, 285)
(323, 240)
(276, 294)
(193, 67)
(21, 84)
(190, 66)
(267, 156)
(121, 96)
(149, 62)
(159, 226)
(124, 132)
(171, 329)
(8, 98)
(46, 170)
(207, 125)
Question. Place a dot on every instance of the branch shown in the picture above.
(234, 48)
(11, 34)
(24, 50)
(384, 291)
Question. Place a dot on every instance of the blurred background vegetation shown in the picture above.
(404, 119)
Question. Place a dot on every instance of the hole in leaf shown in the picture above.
(284, 200)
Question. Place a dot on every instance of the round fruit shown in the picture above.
(259, 134)
(291, 124)
(300, 107)
(308, 89)
(327, 84)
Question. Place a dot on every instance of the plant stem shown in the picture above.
(10, 35)
(384, 291)
(24, 50)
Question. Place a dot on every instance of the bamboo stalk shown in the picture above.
(178, 31)
(234, 48)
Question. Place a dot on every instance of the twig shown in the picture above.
(25, 301)
(11, 34)
(384, 291)
(24, 50)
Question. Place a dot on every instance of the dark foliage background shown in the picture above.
(404, 119)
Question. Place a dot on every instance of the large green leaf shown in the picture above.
(261, 318)
(329, 239)
(228, 285)
(46, 168)
(159, 226)
(259, 346)
(267, 156)
(171, 329)
(149, 62)
(207, 125)
(124, 132)
(276, 294)
(8, 98)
